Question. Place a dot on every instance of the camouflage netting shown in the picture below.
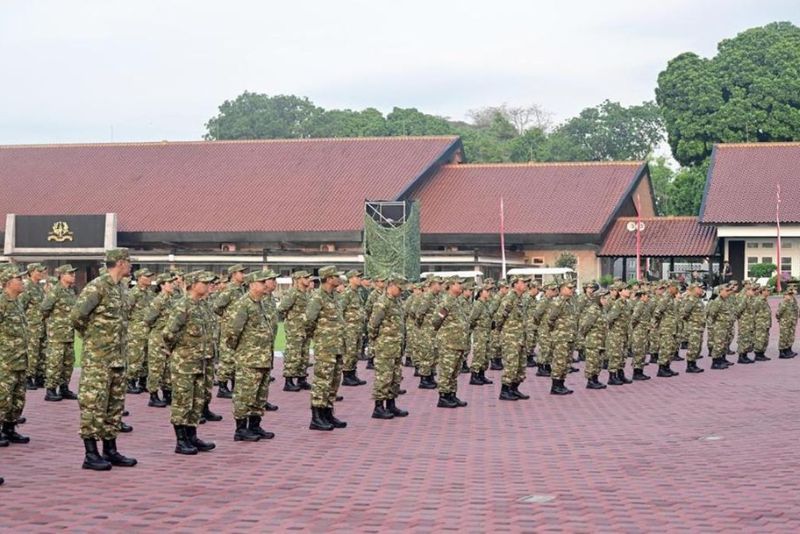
(393, 250)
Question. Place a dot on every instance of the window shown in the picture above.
(786, 265)
(752, 260)
(537, 261)
(752, 244)
(786, 244)
(767, 244)
(767, 259)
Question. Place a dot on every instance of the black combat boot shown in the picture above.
(268, 406)
(155, 402)
(446, 402)
(654, 358)
(684, 345)
(716, 363)
(223, 392)
(327, 413)
(594, 383)
(691, 367)
(625, 379)
(66, 394)
(112, 455)
(133, 389)
(380, 412)
(728, 363)
(638, 374)
(408, 362)
(302, 383)
(558, 388)
(3, 441)
(349, 379)
(318, 421)
(744, 359)
(21, 420)
(531, 361)
(542, 370)
(254, 426)
(208, 415)
(182, 443)
(243, 433)
(39, 381)
(460, 403)
(167, 394)
(497, 364)
(51, 395)
(392, 408)
(199, 444)
(507, 394)
(581, 355)
(370, 363)
(664, 371)
(520, 395)
(289, 385)
(125, 428)
(786, 354)
(614, 379)
(93, 460)
(761, 357)
(677, 357)
(464, 367)
(485, 380)
(427, 382)
(475, 380)
(11, 434)
(143, 384)
(30, 385)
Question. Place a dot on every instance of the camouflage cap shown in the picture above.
(300, 274)
(535, 283)
(351, 273)
(396, 279)
(328, 271)
(517, 278)
(567, 283)
(163, 278)
(469, 285)
(502, 283)
(434, 280)
(600, 293)
(199, 276)
(9, 272)
(223, 278)
(755, 286)
(143, 272)
(118, 254)
(178, 272)
(453, 280)
(36, 267)
(261, 276)
(791, 290)
(489, 281)
(65, 269)
(238, 268)
(550, 285)
(617, 286)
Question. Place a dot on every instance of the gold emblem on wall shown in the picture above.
(60, 232)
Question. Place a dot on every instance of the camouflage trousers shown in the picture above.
(496, 344)
(388, 371)
(251, 392)
(158, 374)
(615, 351)
(594, 361)
(448, 369)
(427, 356)
(137, 352)
(694, 336)
(36, 352)
(655, 338)
(188, 398)
(531, 337)
(638, 348)
(760, 339)
(744, 339)
(352, 346)
(480, 350)
(12, 395)
(786, 333)
(560, 361)
(101, 399)
(545, 349)
(668, 344)
(226, 369)
(59, 364)
(327, 378)
(729, 338)
(514, 362)
(208, 381)
(718, 341)
(295, 356)
(412, 344)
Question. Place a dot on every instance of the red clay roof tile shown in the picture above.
(662, 236)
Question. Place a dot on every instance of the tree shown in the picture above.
(520, 118)
(260, 116)
(566, 259)
(528, 146)
(411, 121)
(747, 92)
(346, 123)
(661, 176)
(686, 190)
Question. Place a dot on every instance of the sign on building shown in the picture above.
(60, 234)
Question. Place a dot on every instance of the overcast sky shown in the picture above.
(102, 70)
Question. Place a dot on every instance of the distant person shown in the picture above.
(727, 272)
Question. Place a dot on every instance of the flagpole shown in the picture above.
(502, 237)
(778, 226)
(638, 238)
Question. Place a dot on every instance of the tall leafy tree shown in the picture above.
(260, 116)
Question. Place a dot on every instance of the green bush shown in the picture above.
(567, 259)
(762, 270)
(606, 280)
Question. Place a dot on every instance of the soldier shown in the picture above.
(354, 317)
(233, 291)
(592, 328)
(56, 307)
(412, 330)
(386, 329)
(762, 315)
(693, 315)
(364, 292)
(31, 302)
(99, 318)
(733, 309)
(189, 336)
(787, 323)
(640, 328)
(581, 302)
(291, 310)
(480, 322)
(561, 320)
(139, 299)
(719, 318)
(452, 341)
(667, 317)
(655, 322)
(746, 316)
(13, 354)
(496, 341)
(618, 317)
(531, 324)
(323, 320)
(468, 297)
(251, 336)
(543, 329)
(155, 318)
(378, 288)
(510, 320)
(424, 313)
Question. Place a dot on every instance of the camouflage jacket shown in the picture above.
(31, 302)
(787, 311)
(157, 312)
(189, 333)
(666, 314)
(451, 324)
(251, 332)
(718, 315)
(138, 301)
(100, 317)
(56, 308)
(324, 318)
(352, 308)
(617, 316)
(480, 317)
(387, 323)
(13, 335)
(510, 317)
(593, 326)
(561, 319)
(408, 310)
(227, 297)
(762, 313)
(425, 310)
(693, 312)
(292, 309)
(640, 318)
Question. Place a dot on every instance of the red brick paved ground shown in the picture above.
(627, 459)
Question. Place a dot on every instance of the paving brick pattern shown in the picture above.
(709, 452)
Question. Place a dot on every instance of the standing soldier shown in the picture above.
(496, 341)
(378, 289)
(560, 318)
(763, 322)
(189, 335)
(452, 341)
(667, 312)
(292, 309)
(31, 302)
(719, 318)
(425, 312)
(139, 299)
(693, 314)
(412, 330)
(13, 354)
(746, 316)
(531, 324)
(480, 322)
(468, 297)
(592, 328)
(56, 307)
(581, 302)
(543, 328)
(733, 308)
(234, 290)
(386, 328)
(251, 336)
(640, 328)
(155, 318)
(510, 320)
(787, 323)
(353, 312)
(655, 322)
(618, 318)
(99, 318)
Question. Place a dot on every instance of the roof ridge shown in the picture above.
(544, 164)
(774, 144)
(233, 141)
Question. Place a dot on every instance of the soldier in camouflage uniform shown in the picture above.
(666, 314)
(386, 329)
(139, 299)
(592, 328)
(56, 307)
(451, 324)
(155, 318)
(412, 330)
(693, 314)
(467, 300)
(188, 335)
(378, 289)
(234, 290)
(745, 313)
(291, 310)
(543, 329)
(762, 316)
(496, 340)
(323, 320)
(424, 313)
(480, 322)
(13, 354)
(733, 308)
(354, 317)
(510, 320)
(618, 317)
(561, 320)
(31, 302)
(719, 319)
(99, 318)
(251, 335)
(581, 302)
(640, 329)
(531, 324)
(787, 323)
